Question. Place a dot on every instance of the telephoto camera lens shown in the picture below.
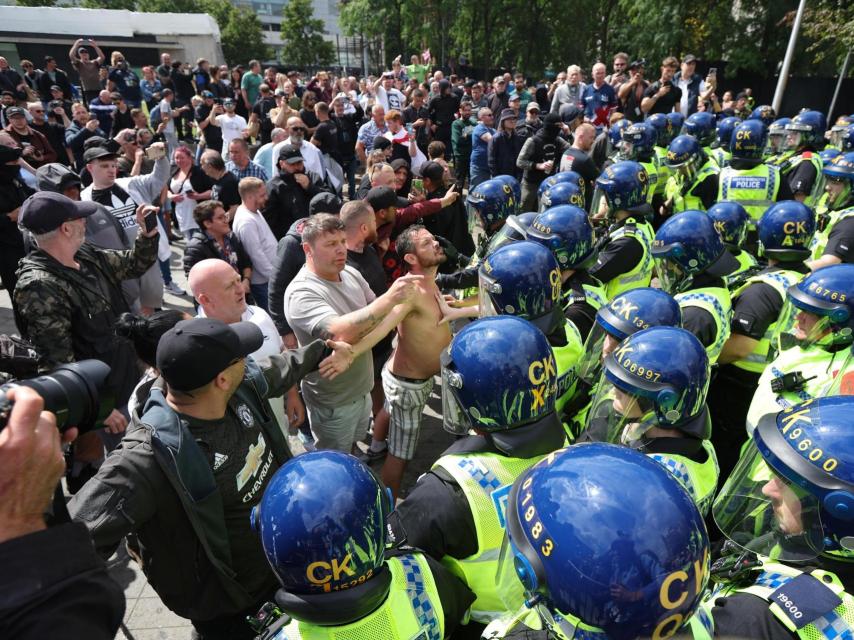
(76, 393)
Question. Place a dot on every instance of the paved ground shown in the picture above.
(146, 618)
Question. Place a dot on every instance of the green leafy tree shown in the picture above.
(128, 5)
(302, 36)
(831, 26)
(36, 3)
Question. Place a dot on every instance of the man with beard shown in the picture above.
(408, 375)
(539, 157)
(310, 154)
(289, 192)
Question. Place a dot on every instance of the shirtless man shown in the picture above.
(408, 375)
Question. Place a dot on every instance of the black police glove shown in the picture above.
(449, 249)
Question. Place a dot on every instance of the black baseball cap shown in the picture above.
(96, 153)
(194, 351)
(11, 112)
(381, 198)
(689, 58)
(56, 177)
(325, 202)
(432, 170)
(290, 153)
(44, 211)
(381, 143)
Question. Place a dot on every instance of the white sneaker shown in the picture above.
(173, 288)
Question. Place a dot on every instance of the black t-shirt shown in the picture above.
(617, 257)
(666, 102)
(579, 161)
(442, 110)
(309, 119)
(368, 263)
(327, 135)
(212, 134)
(802, 178)
(262, 107)
(707, 190)
(411, 114)
(55, 134)
(242, 463)
(183, 83)
(840, 242)
(225, 190)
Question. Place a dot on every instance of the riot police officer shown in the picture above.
(833, 242)
(323, 525)
(572, 177)
(701, 125)
(785, 232)
(601, 543)
(654, 402)
(787, 512)
(810, 344)
(564, 192)
(747, 180)
(775, 149)
(515, 228)
(523, 279)
(624, 315)
(498, 390)
(842, 135)
(624, 260)
(490, 202)
(664, 136)
(639, 145)
(764, 113)
(802, 166)
(691, 263)
(731, 221)
(723, 135)
(693, 181)
(567, 233)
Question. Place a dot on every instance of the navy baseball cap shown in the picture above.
(194, 351)
(44, 211)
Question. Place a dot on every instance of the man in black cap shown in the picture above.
(539, 158)
(69, 294)
(289, 193)
(441, 112)
(36, 149)
(631, 92)
(199, 453)
(13, 192)
(504, 147)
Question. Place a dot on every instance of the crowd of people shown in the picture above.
(638, 296)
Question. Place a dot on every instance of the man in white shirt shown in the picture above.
(264, 155)
(311, 156)
(232, 125)
(387, 95)
(691, 83)
(255, 235)
(216, 287)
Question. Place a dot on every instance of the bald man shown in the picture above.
(311, 157)
(216, 287)
(577, 158)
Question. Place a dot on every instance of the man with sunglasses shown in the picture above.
(311, 157)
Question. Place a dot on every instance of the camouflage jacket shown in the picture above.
(69, 314)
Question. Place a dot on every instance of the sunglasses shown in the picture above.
(298, 129)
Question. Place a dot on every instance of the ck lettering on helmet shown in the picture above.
(623, 359)
(325, 573)
(679, 581)
(791, 227)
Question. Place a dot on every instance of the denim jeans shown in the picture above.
(259, 292)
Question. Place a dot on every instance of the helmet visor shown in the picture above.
(454, 417)
(627, 149)
(762, 512)
(798, 327)
(599, 206)
(776, 141)
(670, 276)
(794, 140)
(618, 416)
(599, 343)
(512, 231)
(486, 288)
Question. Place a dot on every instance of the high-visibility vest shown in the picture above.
(754, 189)
(700, 479)
(717, 302)
(683, 201)
(641, 274)
(819, 240)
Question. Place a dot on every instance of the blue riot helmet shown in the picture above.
(657, 377)
(492, 201)
(603, 542)
(676, 121)
(684, 156)
(522, 279)
(791, 495)
(701, 125)
(624, 315)
(764, 113)
(731, 221)
(723, 131)
(515, 228)
(842, 134)
(828, 154)
(566, 232)
(499, 377)
(638, 142)
(749, 140)
(686, 245)
(621, 187)
(839, 181)
(322, 522)
(615, 132)
(663, 128)
(786, 230)
(514, 185)
(562, 176)
(818, 312)
(806, 130)
(562, 193)
(777, 136)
